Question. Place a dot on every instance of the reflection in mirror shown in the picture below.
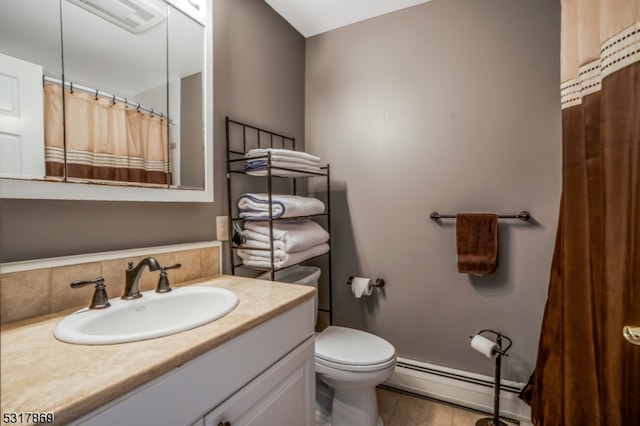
(115, 66)
(145, 70)
(30, 47)
(186, 74)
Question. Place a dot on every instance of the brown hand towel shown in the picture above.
(477, 243)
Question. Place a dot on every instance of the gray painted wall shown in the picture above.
(452, 106)
(259, 78)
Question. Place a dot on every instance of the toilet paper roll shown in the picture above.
(486, 347)
(361, 287)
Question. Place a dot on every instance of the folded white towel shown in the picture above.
(283, 159)
(285, 155)
(281, 259)
(299, 161)
(259, 168)
(288, 236)
(255, 206)
(277, 172)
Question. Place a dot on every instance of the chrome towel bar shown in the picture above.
(523, 215)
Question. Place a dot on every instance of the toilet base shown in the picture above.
(323, 417)
(355, 407)
(346, 407)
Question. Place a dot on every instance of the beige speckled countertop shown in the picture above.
(42, 374)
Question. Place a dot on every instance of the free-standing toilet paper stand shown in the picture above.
(499, 351)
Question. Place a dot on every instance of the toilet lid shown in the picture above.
(352, 347)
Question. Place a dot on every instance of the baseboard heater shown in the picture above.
(459, 387)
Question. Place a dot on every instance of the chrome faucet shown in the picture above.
(131, 287)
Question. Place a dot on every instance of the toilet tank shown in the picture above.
(305, 275)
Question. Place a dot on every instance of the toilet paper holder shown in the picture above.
(378, 283)
(495, 420)
(499, 337)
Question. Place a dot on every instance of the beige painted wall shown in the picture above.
(452, 106)
(259, 78)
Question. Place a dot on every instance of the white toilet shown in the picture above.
(351, 362)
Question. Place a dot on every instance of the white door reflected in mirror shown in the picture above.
(21, 119)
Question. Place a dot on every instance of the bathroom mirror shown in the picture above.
(154, 66)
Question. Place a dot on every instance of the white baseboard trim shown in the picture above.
(459, 387)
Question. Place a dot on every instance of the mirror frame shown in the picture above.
(31, 189)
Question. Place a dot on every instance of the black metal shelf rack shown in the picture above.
(250, 137)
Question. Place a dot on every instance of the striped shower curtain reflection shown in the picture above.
(99, 140)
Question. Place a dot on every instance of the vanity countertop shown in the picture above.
(41, 374)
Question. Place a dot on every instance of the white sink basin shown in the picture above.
(153, 315)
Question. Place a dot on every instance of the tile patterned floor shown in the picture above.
(402, 409)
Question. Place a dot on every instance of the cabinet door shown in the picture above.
(284, 395)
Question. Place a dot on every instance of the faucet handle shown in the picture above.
(176, 266)
(100, 299)
(163, 281)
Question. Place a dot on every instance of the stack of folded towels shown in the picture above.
(293, 242)
(298, 161)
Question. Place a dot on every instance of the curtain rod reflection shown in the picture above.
(96, 92)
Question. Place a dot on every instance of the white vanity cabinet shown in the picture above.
(280, 396)
(264, 376)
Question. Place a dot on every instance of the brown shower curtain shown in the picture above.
(586, 373)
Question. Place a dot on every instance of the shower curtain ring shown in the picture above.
(138, 109)
(71, 86)
(96, 94)
(114, 99)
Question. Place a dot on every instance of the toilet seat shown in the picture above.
(353, 350)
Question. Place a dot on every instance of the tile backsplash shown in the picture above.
(39, 287)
